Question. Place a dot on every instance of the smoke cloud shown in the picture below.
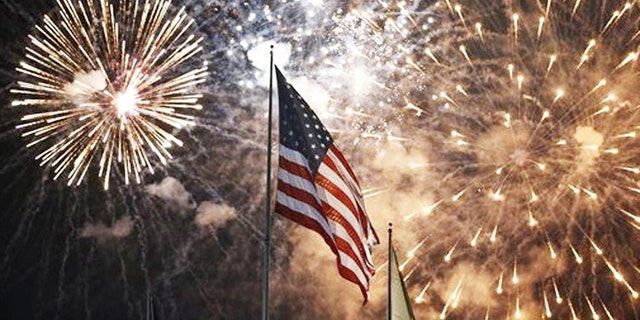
(209, 214)
(171, 190)
(120, 228)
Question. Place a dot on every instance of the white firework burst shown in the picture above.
(106, 82)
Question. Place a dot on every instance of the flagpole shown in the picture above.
(150, 315)
(266, 256)
(389, 275)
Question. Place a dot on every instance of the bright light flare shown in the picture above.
(126, 103)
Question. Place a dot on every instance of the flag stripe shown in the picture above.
(340, 165)
(298, 182)
(336, 211)
(295, 181)
(348, 238)
(331, 181)
(292, 158)
(344, 204)
(348, 274)
(343, 162)
(347, 263)
(347, 245)
(334, 197)
(307, 222)
(287, 197)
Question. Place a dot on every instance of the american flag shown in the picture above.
(318, 189)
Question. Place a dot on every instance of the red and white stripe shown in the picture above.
(330, 204)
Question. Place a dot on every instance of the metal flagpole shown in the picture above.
(266, 256)
(389, 275)
(150, 313)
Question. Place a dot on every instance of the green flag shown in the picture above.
(399, 300)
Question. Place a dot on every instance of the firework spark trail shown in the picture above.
(104, 83)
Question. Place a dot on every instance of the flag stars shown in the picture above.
(301, 129)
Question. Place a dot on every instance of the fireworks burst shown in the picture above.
(531, 114)
(106, 82)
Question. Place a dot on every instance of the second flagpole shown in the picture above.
(389, 275)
